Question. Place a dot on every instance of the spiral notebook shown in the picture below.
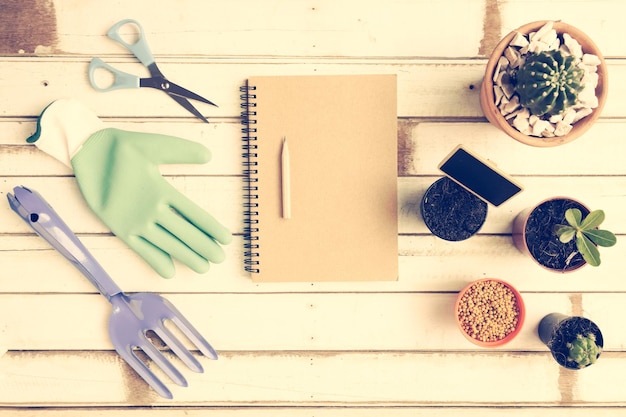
(342, 138)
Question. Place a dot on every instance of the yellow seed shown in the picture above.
(488, 311)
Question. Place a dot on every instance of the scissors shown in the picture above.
(157, 80)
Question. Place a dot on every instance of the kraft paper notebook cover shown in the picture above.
(342, 138)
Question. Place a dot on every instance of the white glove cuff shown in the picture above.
(63, 127)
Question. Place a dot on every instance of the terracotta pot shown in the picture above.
(487, 100)
(521, 237)
(520, 318)
(556, 330)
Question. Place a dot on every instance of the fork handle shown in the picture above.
(36, 211)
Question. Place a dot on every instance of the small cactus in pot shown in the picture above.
(584, 351)
(548, 83)
(574, 341)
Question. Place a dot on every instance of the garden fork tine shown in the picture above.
(179, 349)
(130, 356)
(166, 366)
(192, 334)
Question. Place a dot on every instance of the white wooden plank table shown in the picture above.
(305, 349)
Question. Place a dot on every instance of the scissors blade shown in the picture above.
(163, 84)
(154, 70)
(188, 106)
(183, 92)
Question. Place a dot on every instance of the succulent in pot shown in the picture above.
(585, 233)
(489, 312)
(545, 84)
(575, 342)
(561, 234)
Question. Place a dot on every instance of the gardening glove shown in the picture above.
(117, 173)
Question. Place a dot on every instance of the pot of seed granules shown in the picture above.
(489, 312)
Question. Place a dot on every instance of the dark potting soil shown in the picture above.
(451, 212)
(543, 243)
(566, 332)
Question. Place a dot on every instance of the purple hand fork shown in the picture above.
(133, 314)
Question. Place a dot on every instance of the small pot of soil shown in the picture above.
(533, 234)
(512, 96)
(575, 342)
(451, 212)
(489, 312)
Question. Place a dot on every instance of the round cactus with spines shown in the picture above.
(548, 83)
(583, 350)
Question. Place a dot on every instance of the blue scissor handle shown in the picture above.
(140, 48)
(121, 79)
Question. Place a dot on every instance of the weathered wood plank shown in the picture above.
(223, 197)
(426, 263)
(375, 29)
(442, 87)
(376, 379)
(426, 88)
(290, 321)
(324, 411)
(422, 145)
(285, 378)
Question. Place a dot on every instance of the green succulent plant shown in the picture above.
(583, 350)
(586, 233)
(548, 83)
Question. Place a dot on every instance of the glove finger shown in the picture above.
(155, 257)
(191, 236)
(202, 220)
(170, 244)
(165, 149)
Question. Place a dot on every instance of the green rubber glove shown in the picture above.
(117, 172)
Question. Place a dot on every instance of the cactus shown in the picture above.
(583, 350)
(548, 83)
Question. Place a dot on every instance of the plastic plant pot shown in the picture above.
(556, 330)
(451, 212)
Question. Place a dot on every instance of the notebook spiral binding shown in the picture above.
(250, 178)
